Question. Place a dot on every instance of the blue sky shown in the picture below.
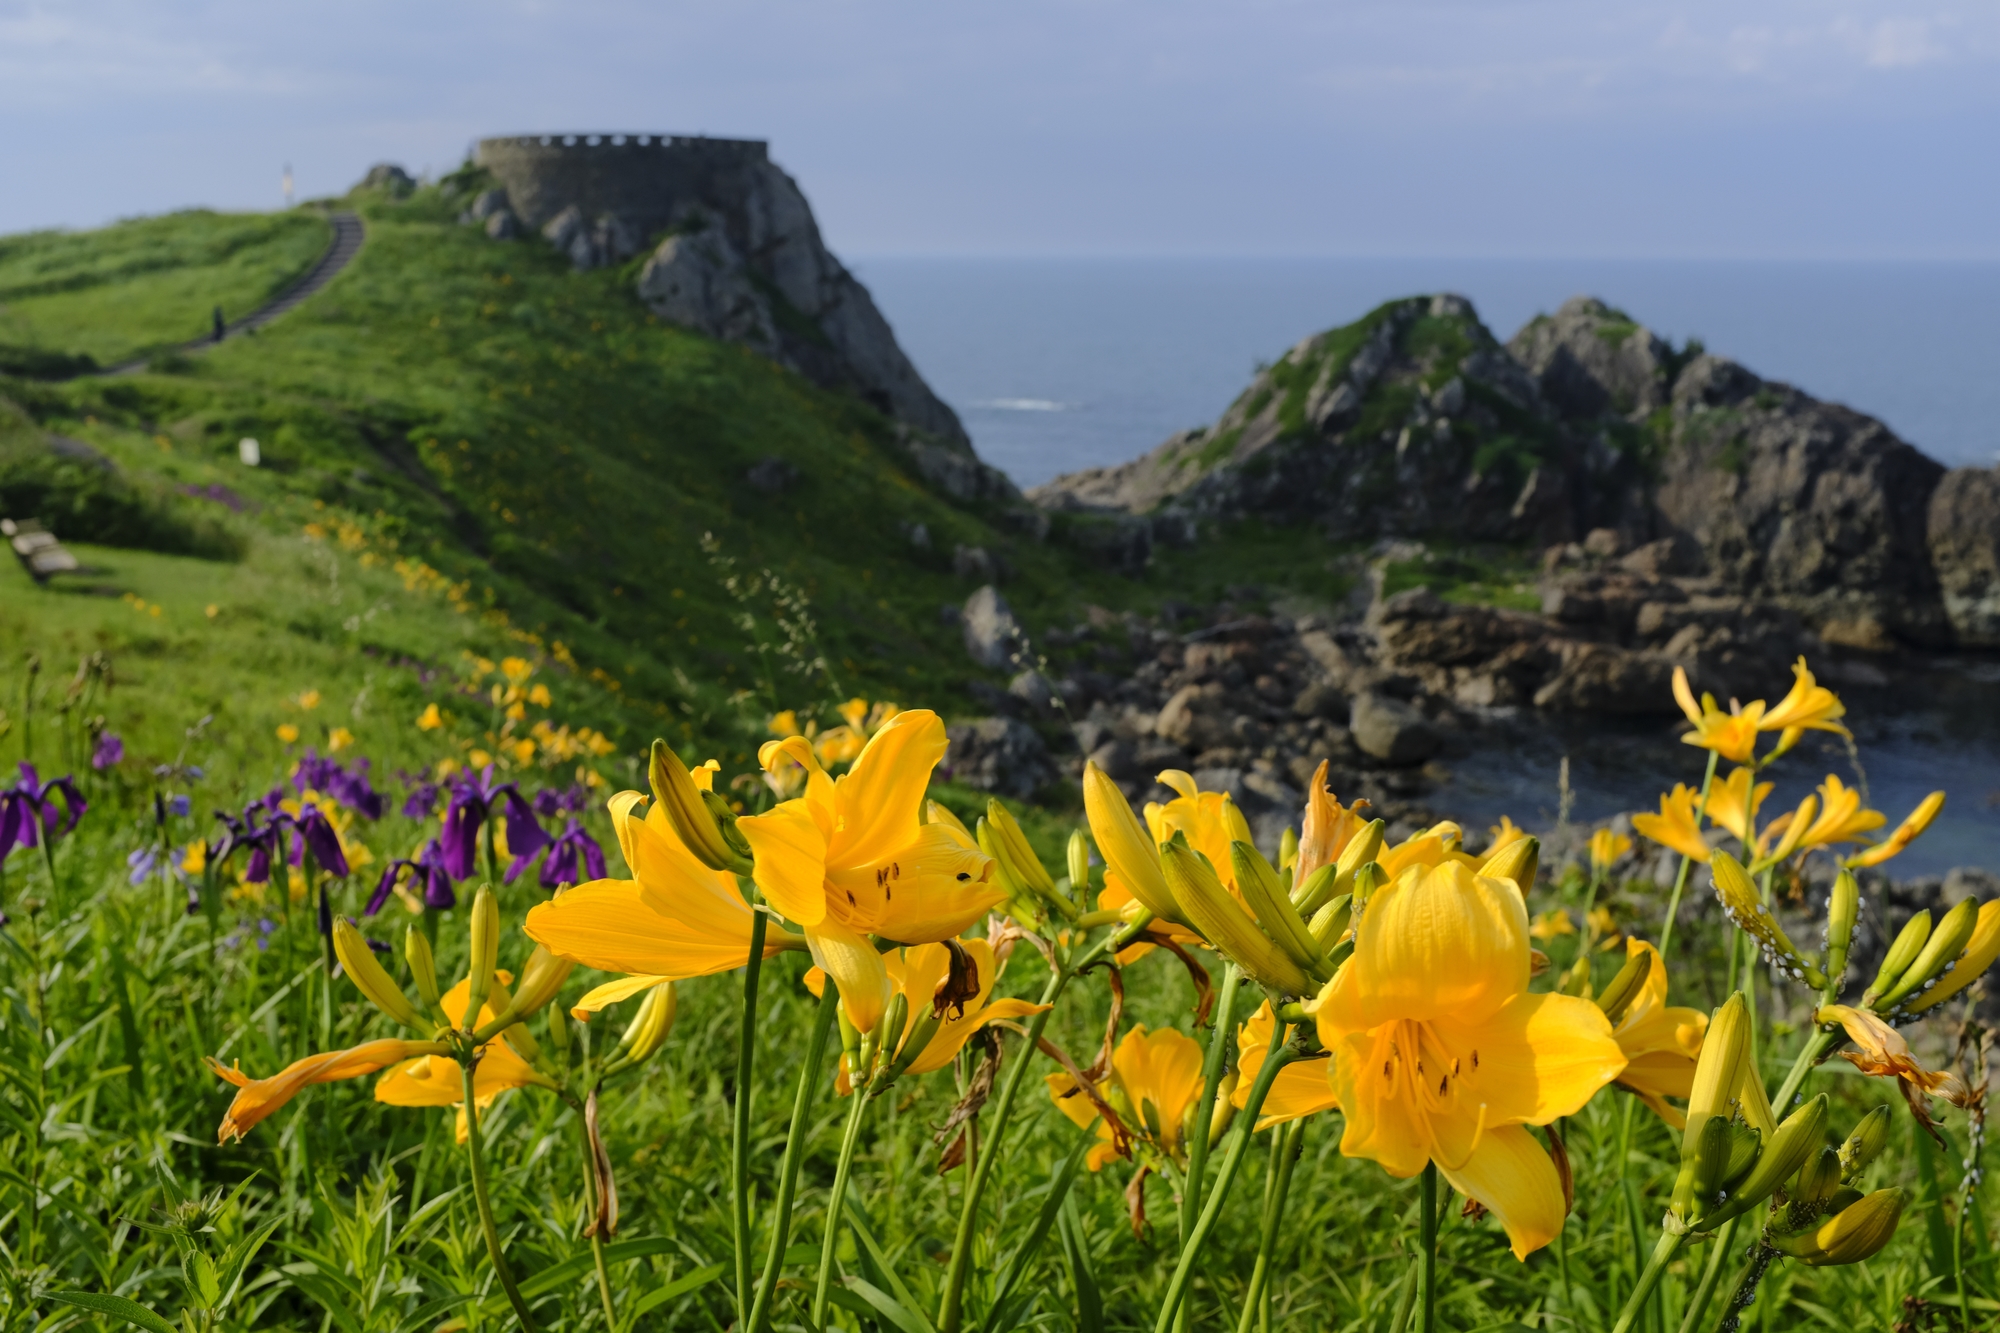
(1753, 129)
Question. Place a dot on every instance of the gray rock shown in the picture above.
(487, 204)
(1964, 532)
(1035, 690)
(1196, 718)
(772, 475)
(389, 178)
(1391, 730)
(697, 281)
(1603, 678)
(502, 225)
(570, 235)
(1590, 361)
(918, 535)
(992, 635)
(997, 754)
(1118, 758)
(974, 563)
(1322, 698)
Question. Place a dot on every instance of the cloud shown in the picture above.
(1892, 43)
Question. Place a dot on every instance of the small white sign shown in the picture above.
(247, 450)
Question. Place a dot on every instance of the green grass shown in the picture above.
(150, 282)
(1473, 575)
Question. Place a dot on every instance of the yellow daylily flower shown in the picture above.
(1603, 927)
(1299, 1090)
(1905, 833)
(258, 1098)
(785, 724)
(1208, 819)
(849, 859)
(1131, 856)
(437, 1080)
(287, 733)
(430, 719)
(1842, 818)
(1427, 849)
(1605, 849)
(1551, 924)
(1733, 803)
(1809, 707)
(1980, 952)
(923, 974)
(1154, 1086)
(1504, 833)
(1661, 1042)
(1327, 828)
(1676, 826)
(1440, 1053)
(843, 744)
(1885, 1054)
(1733, 735)
(674, 919)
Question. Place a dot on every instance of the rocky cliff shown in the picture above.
(736, 254)
(1416, 421)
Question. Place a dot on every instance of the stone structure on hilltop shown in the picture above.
(736, 255)
(1415, 422)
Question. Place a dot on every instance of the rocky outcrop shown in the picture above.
(1413, 421)
(1964, 532)
(742, 258)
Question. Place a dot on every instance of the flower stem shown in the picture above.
(596, 1237)
(1277, 1058)
(1211, 1080)
(1663, 1253)
(1744, 1294)
(1687, 862)
(739, 1134)
(483, 1198)
(1427, 1248)
(834, 1204)
(788, 1170)
(1286, 1155)
(951, 1308)
(1710, 1274)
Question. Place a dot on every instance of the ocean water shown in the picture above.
(1058, 364)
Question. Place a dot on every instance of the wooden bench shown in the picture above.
(37, 549)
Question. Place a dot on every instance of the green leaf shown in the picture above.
(891, 1309)
(117, 1307)
(1076, 1250)
(679, 1287)
(878, 1263)
(555, 1275)
(1031, 1245)
(201, 1280)
(240, 1254)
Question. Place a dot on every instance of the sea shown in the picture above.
(1056, 364)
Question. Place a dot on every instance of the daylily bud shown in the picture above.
(1288, 848)
(1331, 921)
(369, 976)
(1014, 852)
(692, 816)
(1724, 1054)
(1361, 849)
(894, 1019)
(1367, 879)
(1710, 1162)
(1746, 1143)
(1319, 886)
(1520, 861)
(1259, 885)
(1207, 906)
(1797, 1139)
(423, 968)
(923, 1026)
(1842, 906)
(541, 978)
(1946, 943)
(1865, 1144)
(559, 1033)
(1225, 1105)
(1858, 1231)
(1627, 986)
(1127, 848)
(1980, 951)
(1909, 943)
(485, 953)
(1740, 903)
(649, 1028)
(1816, 1182)
(1078, 855)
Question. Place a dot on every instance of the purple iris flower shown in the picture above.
(178, 805)
(317, 835)
(472, 803)
(428, 868)
(549, 802)
(422, 800)
(110, 750)
(350, 787)
(141, 865)
(28, 809)
(573, 858)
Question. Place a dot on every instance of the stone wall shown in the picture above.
(644, 178)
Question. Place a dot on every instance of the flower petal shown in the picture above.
(929, 889)
(1382, 1125)
(611, 992)
(791, 860)
(1512, 1175)
(856, 969)
(1538, 1057)
(1442, 941)
(615, 925)
(880, 799)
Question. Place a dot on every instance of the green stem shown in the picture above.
(1663, 1253)
(1687, 863)
(951, 1308)
(788, 1170)
(1406, 1300)
(1427, 1248)
(1276, 1058)
(834, 1204)
(596, 1238)
(484, 1199)
(1744, 1293)
(1710, 1275)
(1286, 1154)
(739, 1132)
(1817, 1045)
(1211, 1080)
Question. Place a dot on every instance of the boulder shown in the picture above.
(502, 225)
(1964, 530)
(390, 179)
(1391, 730)
(772, 475)
(997, 754)
(1036, 691)
(1589, 361)
(1197, 718)
(486, 205)
(1604, 678)
(697, 280)
(992, 635)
